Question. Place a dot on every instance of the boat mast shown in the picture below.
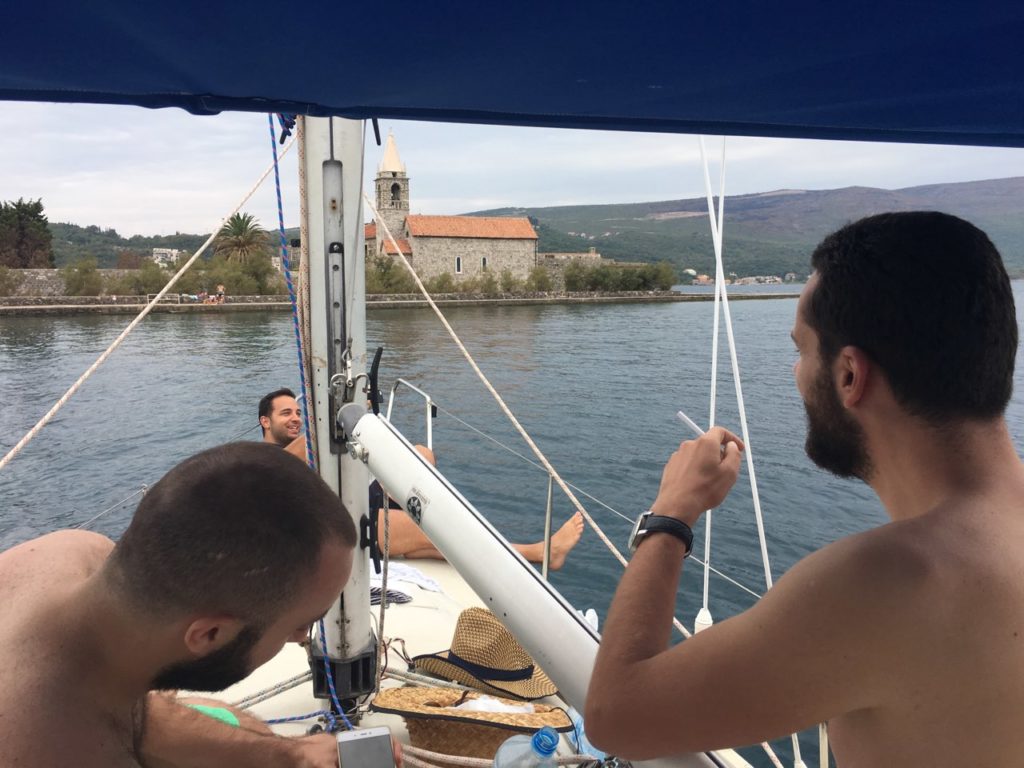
(337, 342)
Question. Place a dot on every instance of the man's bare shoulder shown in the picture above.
(70, 555)
(84, 544)
(893, 555)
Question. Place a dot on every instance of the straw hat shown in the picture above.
(486, 656)
(435, 724)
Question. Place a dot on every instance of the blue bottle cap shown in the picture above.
(545, 741)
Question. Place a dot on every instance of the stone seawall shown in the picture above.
(48, 283)
(130, 305)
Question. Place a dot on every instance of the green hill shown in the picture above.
(771, 232)
(765, 233)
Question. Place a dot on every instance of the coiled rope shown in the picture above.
(132, 325)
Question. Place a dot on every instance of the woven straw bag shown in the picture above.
(434, 723)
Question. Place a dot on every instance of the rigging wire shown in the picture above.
(132, 325)
(582, 492)
(141, 491)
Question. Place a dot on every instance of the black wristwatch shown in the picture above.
(649, 523)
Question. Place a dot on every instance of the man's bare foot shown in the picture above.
(564, 539)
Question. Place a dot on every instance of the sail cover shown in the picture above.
(894, 71)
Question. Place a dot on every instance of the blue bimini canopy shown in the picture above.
(916, 72)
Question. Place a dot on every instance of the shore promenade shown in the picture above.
(131, 305)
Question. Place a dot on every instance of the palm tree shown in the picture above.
(241, 239)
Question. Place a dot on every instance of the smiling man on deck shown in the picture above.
(234, 552)
(907, 639)
(281, 421)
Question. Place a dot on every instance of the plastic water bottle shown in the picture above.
(525, 751)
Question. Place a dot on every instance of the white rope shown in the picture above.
(131, 326)
(717, 224)
(479, 762)
(771, 754)
(267, 693)
(424, 681)
(719, 281)
(501, 403)
(302, 295)
(717, 236)
(386, 556)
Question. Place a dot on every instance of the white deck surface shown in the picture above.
(426, 624)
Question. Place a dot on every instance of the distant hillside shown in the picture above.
(766, 233)
(771, 232)
(72, 242)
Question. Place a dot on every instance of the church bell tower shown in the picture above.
(392, 191)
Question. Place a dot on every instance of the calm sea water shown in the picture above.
(597, 387)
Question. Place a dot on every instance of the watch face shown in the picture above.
(637, 530)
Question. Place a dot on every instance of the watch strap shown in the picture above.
(670, 525)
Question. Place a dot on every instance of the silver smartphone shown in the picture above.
(366, 748)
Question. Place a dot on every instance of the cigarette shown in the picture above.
(688, 422)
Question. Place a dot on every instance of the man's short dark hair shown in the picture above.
(267, 402)
(236, 530)
(926, 296)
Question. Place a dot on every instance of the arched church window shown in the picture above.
(458, 265)
(396, 193)
(483, 262)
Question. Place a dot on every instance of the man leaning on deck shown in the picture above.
(907, 639)
(234, 552)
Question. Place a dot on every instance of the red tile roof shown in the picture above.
(402, 243)
(491, 227)
(370, 230)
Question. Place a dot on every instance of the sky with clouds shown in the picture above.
(150, 172)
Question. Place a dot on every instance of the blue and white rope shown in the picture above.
(330, 677)
(286, 264)
(327, 715)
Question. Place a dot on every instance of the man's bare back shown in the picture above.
(947, 606)
(53, 680)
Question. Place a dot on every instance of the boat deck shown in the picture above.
(426, 624)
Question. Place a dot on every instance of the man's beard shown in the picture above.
(835, 441)
(213, 672)
(281, 436)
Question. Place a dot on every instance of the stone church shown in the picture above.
(464, 246)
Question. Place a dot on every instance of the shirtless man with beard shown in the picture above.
(907, 639)
(236, 551)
